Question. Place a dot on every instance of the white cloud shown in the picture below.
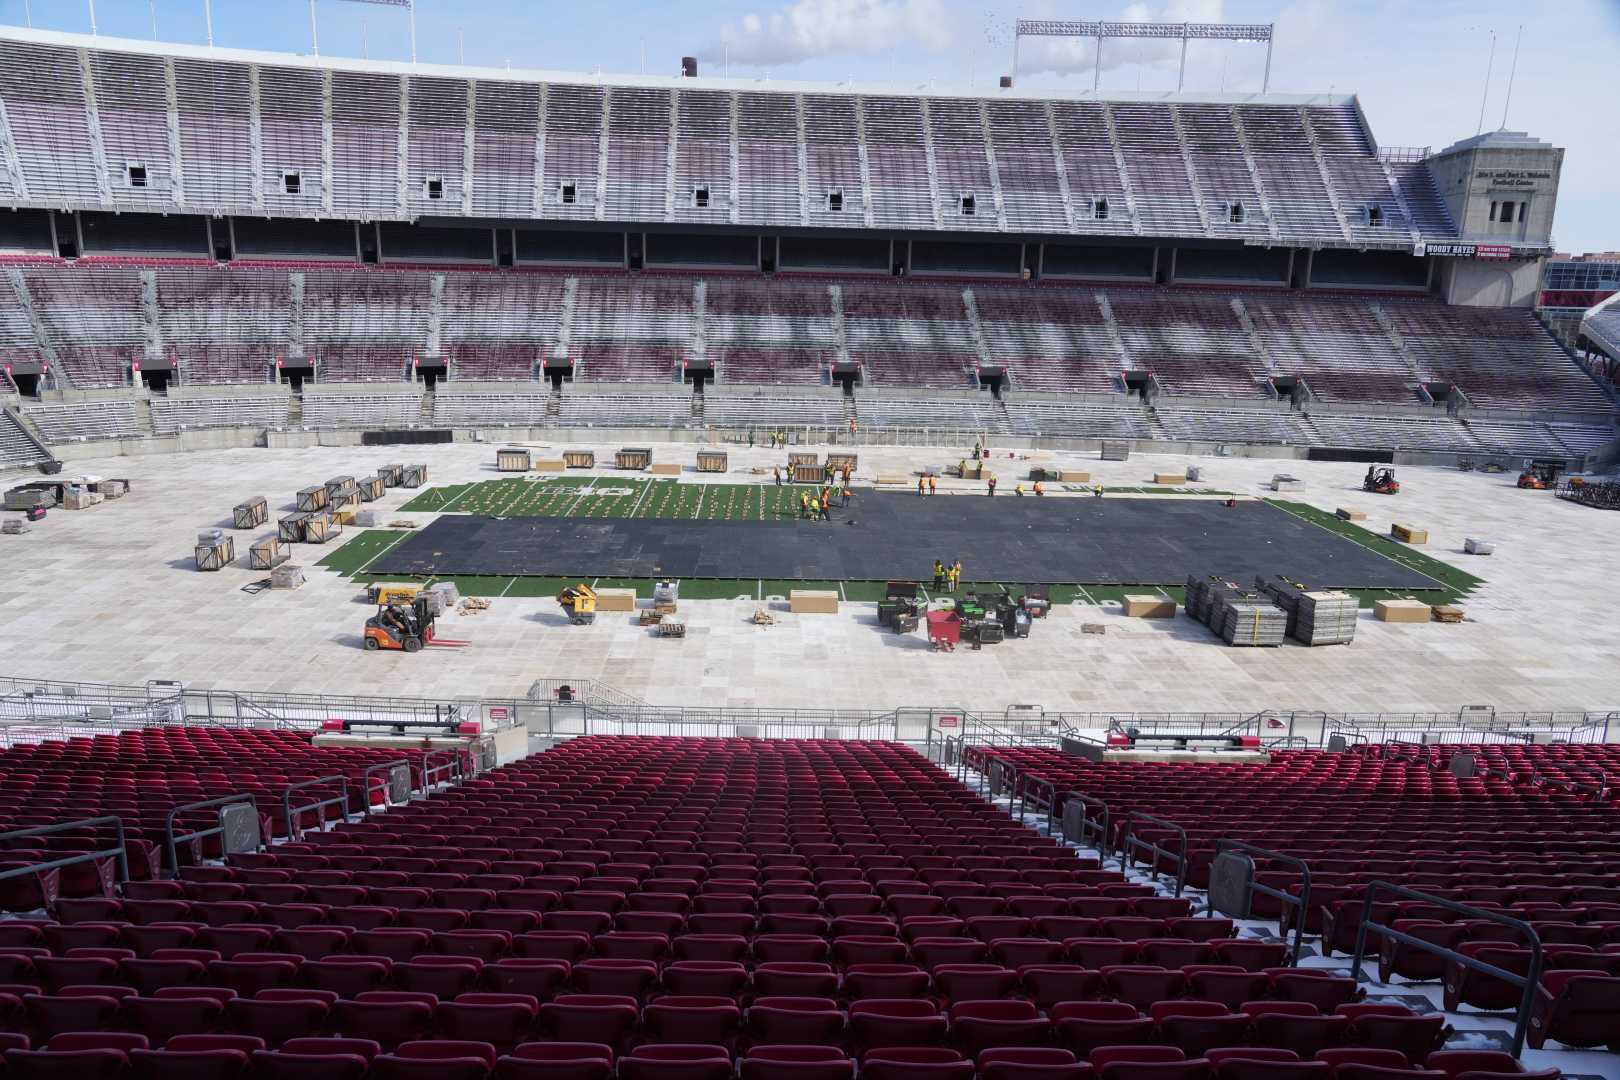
(808, 29)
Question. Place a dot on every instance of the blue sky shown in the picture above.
(1419, 69)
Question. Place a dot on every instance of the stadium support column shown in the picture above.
(1181, 73)
(1265, 81)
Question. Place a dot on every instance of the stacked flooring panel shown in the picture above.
(1315, 617)
(1240, 616)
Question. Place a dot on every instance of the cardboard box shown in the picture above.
(1344, 513)
(1401, 611)
(1149, 606)
(897, 478)
(1408, 534)
(1171, 478)
(615, 599)
(1075, 476)
(557, 465)
(813, 602)
(665, 468)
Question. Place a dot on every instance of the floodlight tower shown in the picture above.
(314, 32)
(1184, 31)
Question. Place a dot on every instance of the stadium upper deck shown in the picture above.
(97, 124)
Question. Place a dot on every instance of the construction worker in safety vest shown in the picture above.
(956, 574)
(922, 485)
(1038, 490)
(933, 485)
(815, 508)
(804, 504)
(939, 575)
(1018, 489)
(992, 483)
(826, 508)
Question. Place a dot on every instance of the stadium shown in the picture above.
(533, 574)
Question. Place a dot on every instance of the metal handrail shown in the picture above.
(447, 773)
(1302, 901)
(366, 783)
(1529, 980)
(1037, 784)
(294, 831)
(121, 852)
(172, 839)
(1130, 844)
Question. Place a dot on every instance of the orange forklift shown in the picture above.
(407, 626)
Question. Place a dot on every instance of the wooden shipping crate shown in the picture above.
(217, 555)
(322, 527)
(1409, 534)
(1344, 513)
(615, 599)
(371, 488)
(414, 476)
(838, 461)
(580, 459)
(1149, 606)
(251, 512)
(813, 601)
(312, 498)
(291, 527)
(512, 459)
(267, 553)
(1174, 479)
(798, 458)
(1401, 611)
(711, 461)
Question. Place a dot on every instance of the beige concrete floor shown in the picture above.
(110, 594)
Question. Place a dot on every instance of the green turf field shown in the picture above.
(612, 496)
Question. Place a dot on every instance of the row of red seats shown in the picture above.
(96, 1056)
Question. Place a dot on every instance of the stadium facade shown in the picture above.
(206, 246)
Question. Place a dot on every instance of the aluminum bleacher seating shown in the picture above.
(909, 335)
(1231, 426)
(94, 319)
(898, 164)
(768, 157)
(17, 448)
(1438, 433)
(346, 410)
(1026, 166)
(625, 410)
(631, 330)
(1080, 421)
(939, 414)
(1193, 344)
(365, 326)
(453, 407)
(172, 414)
(1050, 340)
(1499, 358)
(769, 332)
(498, 327)
(1336, 346)
(97, 418)
(737, 409)
(224, 326)
(637, 153)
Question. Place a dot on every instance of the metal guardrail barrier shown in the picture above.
(121, 852)
(368, 784)
(173, 839)
(1034, 785)
(1130, 844)
(1096, 832)
(1528, 981)
(1301, 903)
(293, 813)
(448, 771)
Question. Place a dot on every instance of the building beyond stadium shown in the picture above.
(214, 247)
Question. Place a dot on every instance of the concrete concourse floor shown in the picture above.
(110, 594)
